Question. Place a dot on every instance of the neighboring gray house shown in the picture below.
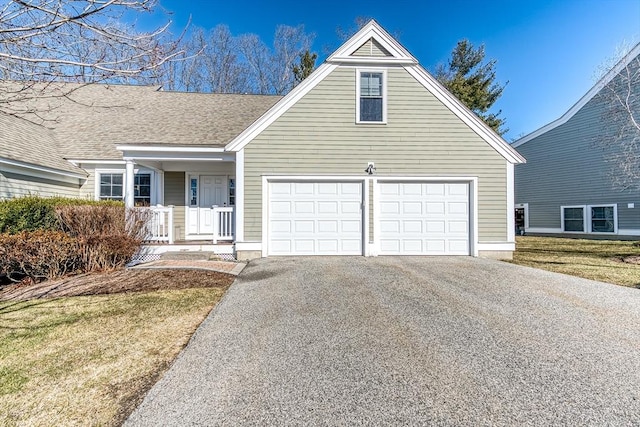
(567, 185)
(367, 156)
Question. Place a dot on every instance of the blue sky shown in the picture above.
(549, 51)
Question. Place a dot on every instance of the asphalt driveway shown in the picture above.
(404, 340)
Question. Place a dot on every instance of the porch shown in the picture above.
(191, 192)
(161, 228)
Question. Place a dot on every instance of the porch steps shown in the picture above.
(189, 256)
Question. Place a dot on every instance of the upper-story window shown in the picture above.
(371, 107)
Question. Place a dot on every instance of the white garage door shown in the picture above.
(315, 218)
(418, 218)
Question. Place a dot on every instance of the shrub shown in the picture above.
(32, 213)
(38, 255)
(108, 235)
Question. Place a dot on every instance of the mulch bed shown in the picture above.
(117, 282)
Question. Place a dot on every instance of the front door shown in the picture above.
(206, 191)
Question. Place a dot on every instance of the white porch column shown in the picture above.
(239, 234)
(159, 186)
(128, 182)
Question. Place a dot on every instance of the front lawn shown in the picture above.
(611, 261)
(88, 360)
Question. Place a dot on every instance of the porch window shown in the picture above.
(112, 187)
(193, 192)
(232, 191)
(142, 189)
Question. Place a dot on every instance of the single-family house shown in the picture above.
(367, 156)
(568, 185)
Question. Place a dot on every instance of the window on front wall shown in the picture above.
(573, 219)
(371, 102)
(112, 187)
(602, 219)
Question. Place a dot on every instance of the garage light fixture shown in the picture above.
(371, 168)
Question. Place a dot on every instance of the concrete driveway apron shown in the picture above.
(406, 340)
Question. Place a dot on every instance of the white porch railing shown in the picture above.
(160, 225)
(224, 224)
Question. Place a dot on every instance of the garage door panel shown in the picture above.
(390, 207)
(328, 226)
(437, 208)
(303, 207)
(433, 218)
(350, 207)
(412, 208)
(351, 226)
(315, 218)
(302, 226)
(328, 208)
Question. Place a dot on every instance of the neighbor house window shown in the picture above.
(603, 219)
(112, 187)
(371, 97)
(573, 219)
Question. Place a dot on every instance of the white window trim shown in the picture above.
(99, 172)
(584, 218)
(615, 218)
(384, 94)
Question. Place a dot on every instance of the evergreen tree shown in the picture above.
(473, 82)
(305, 67)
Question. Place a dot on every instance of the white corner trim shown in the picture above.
(248, 246)
(466, 115)
(280, 107)
(628, 232)
(497, 246)
(582, 101)
(372, 30)
(240, 195)
(511, 214)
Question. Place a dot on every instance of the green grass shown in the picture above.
(88, 360)
(600, 260)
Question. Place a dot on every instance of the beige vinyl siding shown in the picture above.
(371, 48)
(174, 188)
(319, 136)
(88, 189)
(17, 185)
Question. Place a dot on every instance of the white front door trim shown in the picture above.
(266, 214)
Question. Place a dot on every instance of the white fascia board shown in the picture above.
(240, 141)
(633, 53)
(78, 162)
(466, 115)
(162, 157)
(169, 149)
(372, 30)
(41, 169)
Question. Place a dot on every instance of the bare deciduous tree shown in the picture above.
(45, 41)
(620, 133)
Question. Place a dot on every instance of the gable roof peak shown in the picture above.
(397, 54)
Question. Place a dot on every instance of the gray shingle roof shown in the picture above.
(90, 121)
(26, 142)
